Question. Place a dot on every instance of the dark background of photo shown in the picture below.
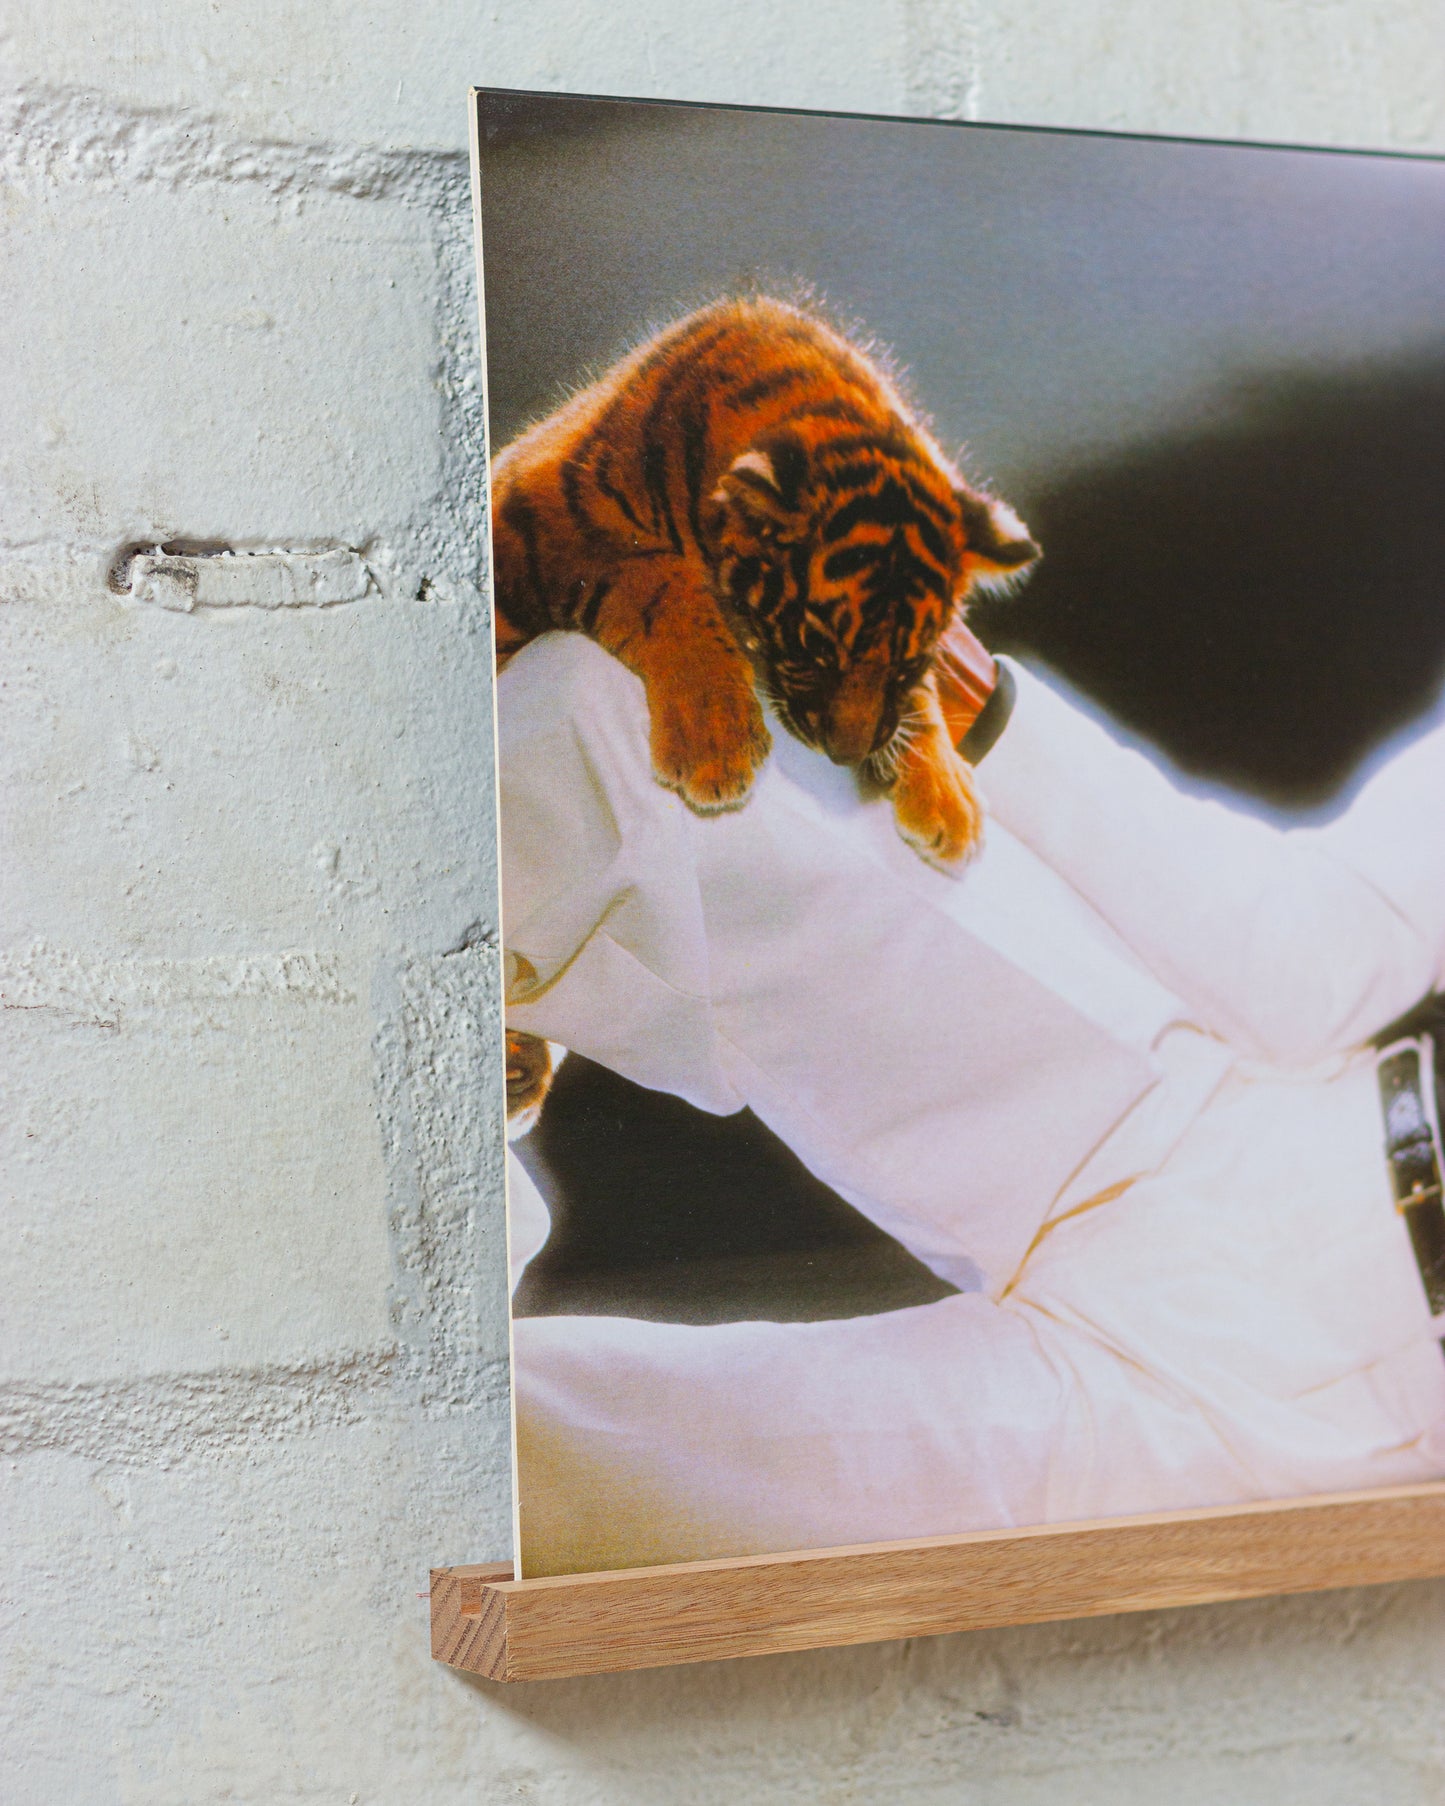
(1210, 377)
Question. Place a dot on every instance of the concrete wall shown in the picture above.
(254, 1341)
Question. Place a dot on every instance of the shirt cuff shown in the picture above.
(992, 718)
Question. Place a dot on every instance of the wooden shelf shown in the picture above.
(486, 1623)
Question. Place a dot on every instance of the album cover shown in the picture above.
(970, 630)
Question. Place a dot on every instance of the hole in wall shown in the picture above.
(118, 572)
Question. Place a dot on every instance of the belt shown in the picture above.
(1412, 1082)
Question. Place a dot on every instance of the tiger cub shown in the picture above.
(742, 505)
(745, 504)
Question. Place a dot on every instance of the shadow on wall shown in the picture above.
(1264, 601)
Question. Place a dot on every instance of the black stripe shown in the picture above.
(576, 505)
(798, 561)
(855, 473)
(761, 388)
(790, 466)
(837, 409)
(933, 540)
(654, 473)
(742, 577)
(754, 480)
(592, 607)
(866, 471)
(682, 368)
(675, 340)
(599, 432)
(694, 462)
(532, 616)
(893, 504)
(771, 593)
(655, 452)
(847, 561)
(602, 477)
(890, 505)
(945, 513)
(909, 576)
(885, 444)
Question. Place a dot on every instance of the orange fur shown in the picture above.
(742, 504)
(746, 503)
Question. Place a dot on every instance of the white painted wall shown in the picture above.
(253, 1335)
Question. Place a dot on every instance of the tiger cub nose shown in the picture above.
(852, 734)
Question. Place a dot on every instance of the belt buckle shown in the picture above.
(1418, 1195)
(1406, 1074)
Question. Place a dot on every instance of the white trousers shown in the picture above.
(1246, 1323)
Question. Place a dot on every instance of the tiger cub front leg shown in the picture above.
(934, 800)
(708, 735)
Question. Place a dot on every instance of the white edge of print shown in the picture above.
(474, 100)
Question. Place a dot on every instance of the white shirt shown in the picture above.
(979, 1050)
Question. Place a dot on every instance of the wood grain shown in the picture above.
(486, 1623)
(468, 1619)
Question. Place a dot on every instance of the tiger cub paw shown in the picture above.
(938, 810)
(709, 748)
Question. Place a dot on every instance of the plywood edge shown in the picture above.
(487, 1623)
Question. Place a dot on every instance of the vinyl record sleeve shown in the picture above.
(869, 1184)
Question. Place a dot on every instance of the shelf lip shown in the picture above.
(485, 1622)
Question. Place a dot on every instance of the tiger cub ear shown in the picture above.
(761, 486)
(996, 542)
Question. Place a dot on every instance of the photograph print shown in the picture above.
(970, 629)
